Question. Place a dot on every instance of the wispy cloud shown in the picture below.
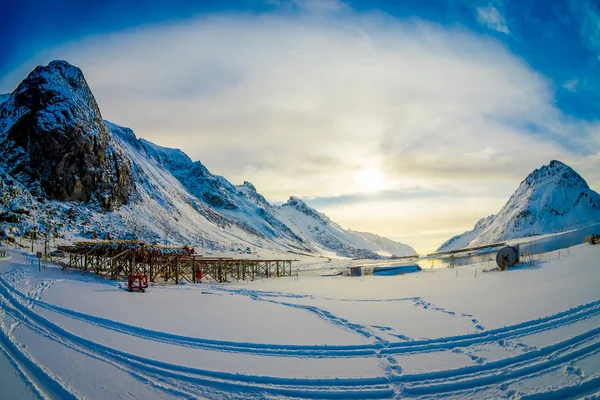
(571, 85)
(587, 14)
(387, 195)
(317, 8)
(301, 105)
(491, 17)
(321, 7)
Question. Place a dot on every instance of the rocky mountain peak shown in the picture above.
(249, 186)
(68, 72)
(248, 190)
(300, 205)
(54, 142)
(294, 201)
(556, 173)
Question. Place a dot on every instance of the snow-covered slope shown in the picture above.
(317, 228)
(294, 225)
(241, 205)
(461, 241)
(100, 180)
(388, 246)
(551, 199)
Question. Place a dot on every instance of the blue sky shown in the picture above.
(411, 119)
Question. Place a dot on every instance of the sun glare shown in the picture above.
(370, 180)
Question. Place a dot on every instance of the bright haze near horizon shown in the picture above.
(408, 119)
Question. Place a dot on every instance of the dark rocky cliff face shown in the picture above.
(53, 140)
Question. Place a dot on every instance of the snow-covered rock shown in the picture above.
(553, 198)
(53, 140)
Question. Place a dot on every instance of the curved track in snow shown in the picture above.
(177, 379)
(323, 351)
(184, 381)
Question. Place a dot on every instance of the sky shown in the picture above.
(409, 119)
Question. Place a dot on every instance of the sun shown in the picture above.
(370, 180)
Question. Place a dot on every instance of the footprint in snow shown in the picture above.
(525, 347)
(477, 325)
(573, 370)
(476, 359)
(383, 328)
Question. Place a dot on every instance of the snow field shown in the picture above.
(531, 331)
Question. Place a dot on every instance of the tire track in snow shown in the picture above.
(526, 328)
(376, 387)
(39, 380)
(266, 349)
(504, 370)
(319, 312)
(590, 386)
(508, 332)
(19, 368)
(333, 319)
(389, 366)
(49, 335)
(322, 351)
(501, 370)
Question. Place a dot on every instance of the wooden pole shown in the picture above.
(194, 269)
(32, 232)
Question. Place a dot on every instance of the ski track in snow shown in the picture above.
(184, 381)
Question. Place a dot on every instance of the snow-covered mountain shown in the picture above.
(553, 198)
(461, 241)
(326, 235)
(387, 246)
(63, 167)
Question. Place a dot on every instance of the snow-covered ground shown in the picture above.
(529, 332)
